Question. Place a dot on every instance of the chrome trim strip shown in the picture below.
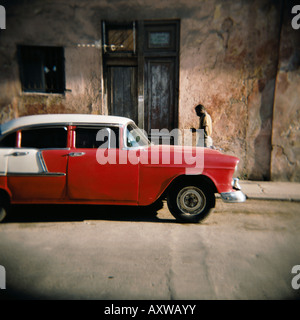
(42, 161)
(41, 174)
(233, 197)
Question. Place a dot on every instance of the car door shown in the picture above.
(95, 172)
(36, 170)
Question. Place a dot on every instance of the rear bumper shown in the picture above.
(234, 196)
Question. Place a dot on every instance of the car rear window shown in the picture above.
(45, 138)
(8, 141)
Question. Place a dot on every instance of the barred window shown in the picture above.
(42, 69)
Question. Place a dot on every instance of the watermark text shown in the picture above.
(177, 147)
(296, 19)
(296, 279)
(2, 18)
(2, 278)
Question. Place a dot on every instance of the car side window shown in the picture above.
(45, 138)
(8, 141)
(94, 138)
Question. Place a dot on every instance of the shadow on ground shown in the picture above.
(61, 213)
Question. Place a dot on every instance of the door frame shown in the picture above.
(138, 58)
(163, 54)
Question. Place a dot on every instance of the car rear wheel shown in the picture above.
(4, 204)
(3, 213)
(190, 203)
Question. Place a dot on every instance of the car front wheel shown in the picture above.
(190, 203)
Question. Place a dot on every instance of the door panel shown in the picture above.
(34, 175)
(23, 161)
(90, 180)
(122, 95)
(159, 93)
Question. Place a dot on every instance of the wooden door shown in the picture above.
(161, 52)
(159, 93)
(122, 91)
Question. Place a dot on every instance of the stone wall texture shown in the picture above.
(241, 59)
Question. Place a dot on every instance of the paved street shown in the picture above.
(242, 251)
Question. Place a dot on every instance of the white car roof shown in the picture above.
(67, 119)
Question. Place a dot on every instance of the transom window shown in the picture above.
(118, 37)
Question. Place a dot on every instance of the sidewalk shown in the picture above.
(270, 190)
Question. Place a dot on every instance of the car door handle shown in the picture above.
(19, 154)
(76, 154)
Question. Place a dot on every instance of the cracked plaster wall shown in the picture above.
(229, 64)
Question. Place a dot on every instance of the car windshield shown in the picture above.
(135, 137)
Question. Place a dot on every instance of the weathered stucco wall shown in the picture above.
(50, 24)
(285, 163)
(229, 55)
(228, 63)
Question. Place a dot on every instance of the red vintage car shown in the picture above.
(107, 160)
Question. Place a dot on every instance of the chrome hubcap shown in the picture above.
(191, 200)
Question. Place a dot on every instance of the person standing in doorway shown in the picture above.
(205, 123)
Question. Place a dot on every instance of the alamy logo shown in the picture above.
(2, 278)
(296, 20)
(296, 278)
(2, 18)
